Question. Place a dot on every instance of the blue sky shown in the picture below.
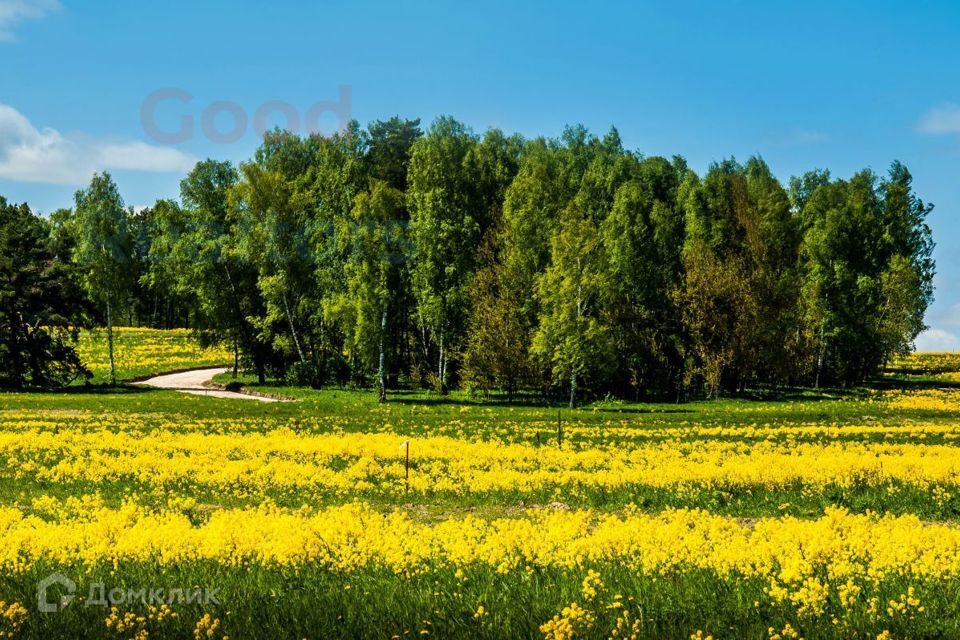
(839, 85)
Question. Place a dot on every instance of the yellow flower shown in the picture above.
(787, 633)
(572, 621)
(626, 628)
(206, 627)
(12, 617)
(591, 584)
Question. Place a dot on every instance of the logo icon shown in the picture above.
(44, 605)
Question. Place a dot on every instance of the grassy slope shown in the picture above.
(140, 352)
(309, 602)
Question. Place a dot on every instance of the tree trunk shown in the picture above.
(261, 370)
(423, 341)
(442, 367)
(236, 357)
(383, 356)
(293, 330)
(113, 370)
(16, 328)
(573, 390)
(820, 358)
(242, 328)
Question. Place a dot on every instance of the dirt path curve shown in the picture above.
(192, 382)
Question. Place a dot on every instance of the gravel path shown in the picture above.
(192, 382)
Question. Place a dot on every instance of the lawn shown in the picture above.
(789, 514)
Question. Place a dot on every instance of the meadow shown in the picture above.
(787, 514)
(141, 353)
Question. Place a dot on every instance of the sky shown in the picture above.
(144, 90)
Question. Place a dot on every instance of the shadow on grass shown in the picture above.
(912, 384)
(85, 389)
(106, 389)
(798, 394)
(528, 401)
(665, 404)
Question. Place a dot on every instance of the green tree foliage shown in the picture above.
(532, 205)
(341, 173)
(867, 269)
(389, 143)
(387, 158)
(496, 354)
(531, 208)
(195, 254)
(274, 206)
(41, 304)
(104, 250)
(447, 221)
(739, 221)
(289, 203)
(643, 235)
(371, 273)
(568, 265)
(571, 339)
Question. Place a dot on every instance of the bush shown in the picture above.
(306, 374)
(330, 369)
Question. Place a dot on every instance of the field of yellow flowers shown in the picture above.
(142, 352)
(802, 515)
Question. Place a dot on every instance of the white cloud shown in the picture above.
(937, 340)
(941, 119)
(13, 12)
(28, 154)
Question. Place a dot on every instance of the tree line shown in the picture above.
(394, 257)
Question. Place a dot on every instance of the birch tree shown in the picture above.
(103, 251)
(374, 257)
(445, 230)
(571, 339)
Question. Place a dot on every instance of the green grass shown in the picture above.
(424, 413)
(308, 603)
(259, 600)
(601, 426)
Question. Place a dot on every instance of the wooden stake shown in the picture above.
(559, 430)
(407, 467)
